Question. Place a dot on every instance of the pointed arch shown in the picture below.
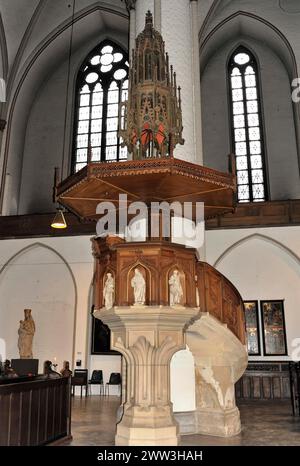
(38, 244)
(242, 22)
(3, 51)
(268, 239)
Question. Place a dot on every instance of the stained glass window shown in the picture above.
(101, 84)
(252, 327)
(248, 140)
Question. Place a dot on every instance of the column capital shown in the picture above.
(130, 4)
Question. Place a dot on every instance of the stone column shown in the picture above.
(177, 21)
(196, 81)
(176, 31)
(157, 15)
(220, 360)
(7, 195)
(130, 5)
(147, 337)
(131, 8)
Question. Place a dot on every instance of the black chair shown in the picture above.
(97, 379)
(80, 379)
(114, 379)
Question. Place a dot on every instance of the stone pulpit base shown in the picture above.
(220, 361)
(147, 337)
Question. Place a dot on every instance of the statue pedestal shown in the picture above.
(25, 366)
(147, 337)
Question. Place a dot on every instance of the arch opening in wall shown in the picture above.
(46, 284)
(271, 273)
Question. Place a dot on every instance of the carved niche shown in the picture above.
(156, 261)
(177, 287)
(138, 278)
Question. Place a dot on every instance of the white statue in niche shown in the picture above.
(176, 291)
(26, 332)
(109, 291)
(139, 287)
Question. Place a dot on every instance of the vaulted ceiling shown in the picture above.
(26, 24)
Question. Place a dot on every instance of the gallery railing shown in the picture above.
(35, 412)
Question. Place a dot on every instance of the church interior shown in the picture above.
(150, 222)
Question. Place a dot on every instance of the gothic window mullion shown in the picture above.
(118, 139)
(247, 135)
(104, 123)
(89, 148)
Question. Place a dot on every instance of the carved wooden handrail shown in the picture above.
(220, 298)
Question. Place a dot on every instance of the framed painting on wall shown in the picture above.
(100, 338)
(252, 328)
(274, 334)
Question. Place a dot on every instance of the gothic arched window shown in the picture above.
(247, 129)
(102, 83)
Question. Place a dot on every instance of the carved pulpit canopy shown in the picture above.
(151, 119)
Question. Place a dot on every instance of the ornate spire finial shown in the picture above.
(149, 18)
(151, 119)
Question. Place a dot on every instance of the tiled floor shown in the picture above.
(264, 423)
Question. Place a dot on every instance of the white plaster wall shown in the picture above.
(43, 147)
(108, 364)
(183, 381)
(263, 264)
